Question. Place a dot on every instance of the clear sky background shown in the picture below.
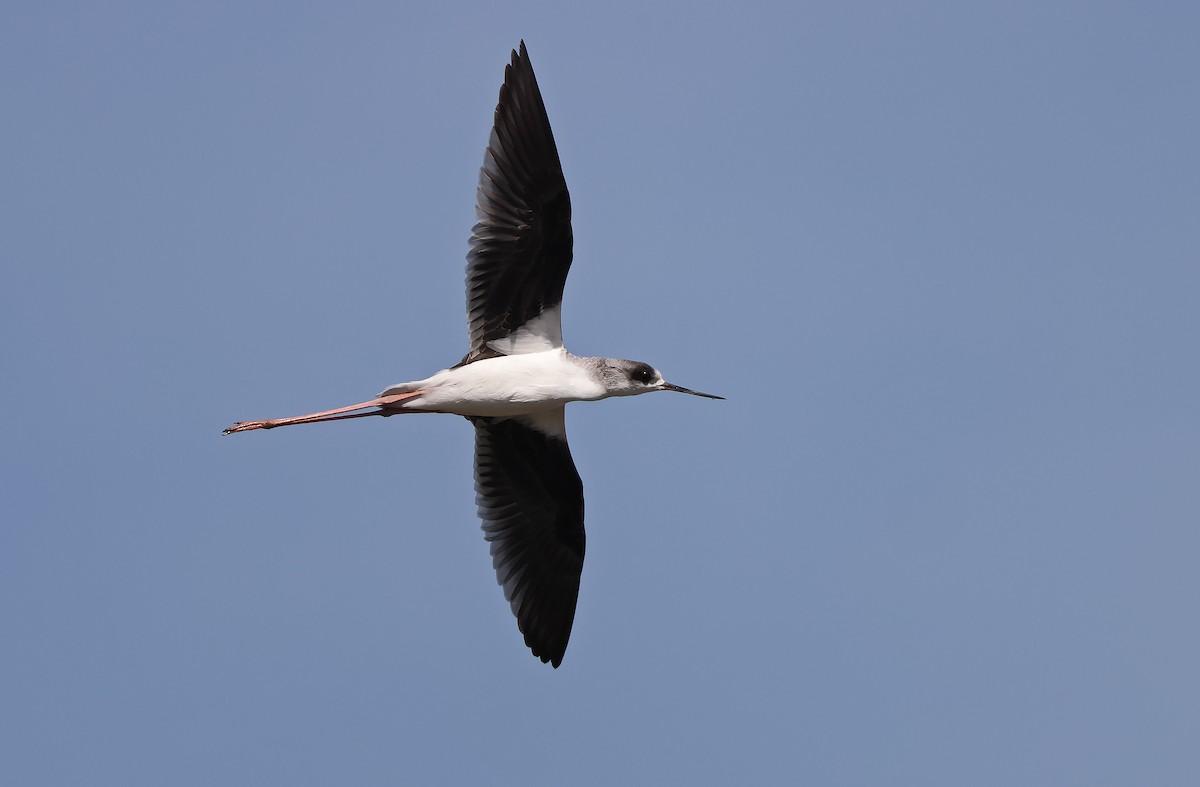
(943, 258)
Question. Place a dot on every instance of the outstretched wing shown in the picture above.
(521, 246)
(530, 499)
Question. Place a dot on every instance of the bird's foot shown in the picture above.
(246, 426)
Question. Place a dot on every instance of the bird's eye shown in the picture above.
(643, 376)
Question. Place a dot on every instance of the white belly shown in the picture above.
(509, 385)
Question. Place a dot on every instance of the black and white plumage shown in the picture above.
(522, 244)
(516, 378)
(529, 494)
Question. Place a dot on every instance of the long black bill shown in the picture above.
(681, 389)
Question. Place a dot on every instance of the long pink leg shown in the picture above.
(336, 414)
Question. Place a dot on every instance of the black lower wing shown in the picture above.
(530, 499)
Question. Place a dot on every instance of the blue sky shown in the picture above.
(942, 258)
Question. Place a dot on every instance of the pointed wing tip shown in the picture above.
(552, 657)
(520, 54)
(549, 646)
(546, 656)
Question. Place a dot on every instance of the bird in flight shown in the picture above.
(517, 377)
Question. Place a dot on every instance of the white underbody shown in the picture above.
(531, 382)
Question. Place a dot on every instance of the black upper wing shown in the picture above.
(521, 246)
(530, 499)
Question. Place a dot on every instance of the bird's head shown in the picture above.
(630, 378)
